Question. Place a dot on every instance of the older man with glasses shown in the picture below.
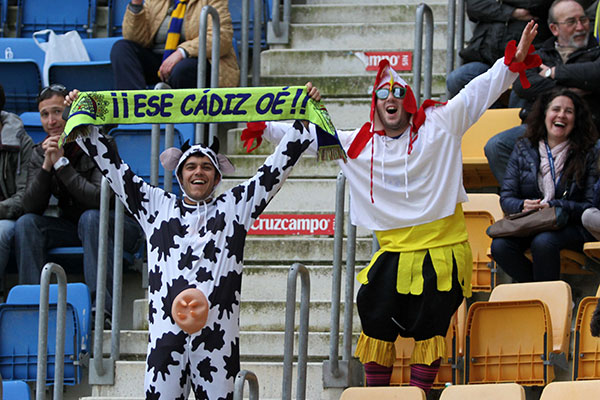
(570, 59)
(73, 179)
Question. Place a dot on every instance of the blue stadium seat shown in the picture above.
(21, 61)
(235, 9)
(19, 325)
(93, 75)
(133, 142)
(33, 125)
(60, 16)
(15, 390)
(116, 11)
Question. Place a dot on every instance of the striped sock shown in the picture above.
(377, 375)
(422, 375)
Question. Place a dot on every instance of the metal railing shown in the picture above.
(102, 369)
(348, 371)
(214, 65)
(61, 313)
(244, 53)
(238, 389)
(423, 13)
(288, 345)
(278, 31)
(456, 34)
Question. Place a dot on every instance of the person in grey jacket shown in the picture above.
(15, 151)
(73, 178)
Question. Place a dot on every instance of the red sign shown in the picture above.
(399, 60)
(293, 224)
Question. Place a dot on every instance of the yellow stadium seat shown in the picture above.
(476, 171)
(586, 348)
(482, 210)
(592, 250)
(454, 347)
(582, 390)
(508, 341)
(383, 393)
(556, 295)
(494, 391)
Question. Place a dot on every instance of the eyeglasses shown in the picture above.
(56, 87)
(571, 22)
(397, 91)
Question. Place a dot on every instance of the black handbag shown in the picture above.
(528, 223)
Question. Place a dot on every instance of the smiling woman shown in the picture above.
(554, 165)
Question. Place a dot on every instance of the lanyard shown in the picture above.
(551, 162)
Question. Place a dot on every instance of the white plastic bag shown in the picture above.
(60, 48)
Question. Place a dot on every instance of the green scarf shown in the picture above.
(242, 104)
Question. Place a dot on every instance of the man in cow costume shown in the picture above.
(195, 252)
(404, 169)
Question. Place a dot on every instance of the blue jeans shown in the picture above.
(36, 234)
(7, 232)
(499, 148)
(545, 251)
(464, 74)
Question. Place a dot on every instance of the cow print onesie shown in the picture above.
(199, 247)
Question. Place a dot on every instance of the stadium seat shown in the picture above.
(235, 9)
(583, 390)
(20, 65)
(448, 368)
(592, 250)
(19, 318)
(93, 75)
(508, 341)
(383, 393)
(33, 126)
(482, 210)
(116, 11)
(555, 294)
(476, 171)
(60, 16)
(133, 142)
(15, 390)
(496, 391)
(586, 348)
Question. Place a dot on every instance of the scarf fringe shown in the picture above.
(330, 153)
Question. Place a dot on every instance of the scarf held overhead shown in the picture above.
(203, 106)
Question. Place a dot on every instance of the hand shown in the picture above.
(529, 33)
(71, 97)
(137, 2)
(521, 14)
(313, 92)
(529, 205)
(164, 72)
(51, 152)
(543, 69)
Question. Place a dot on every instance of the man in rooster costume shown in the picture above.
(405, 176)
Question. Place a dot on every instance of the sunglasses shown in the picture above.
(397, 91)
(56, 87)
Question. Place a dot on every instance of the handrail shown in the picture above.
(61, 314)
(456, 21)
(338, 242)
(115, 338)
(214, 65)
(245, 46)
(278, 31)
(423, 13)
(349, 291)
(238, 390)
(288, 345)
(101, 277)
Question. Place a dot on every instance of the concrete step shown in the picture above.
(349, 85)
(254, 346)
(359, 13)
(350, 36)
(261, 316)
(307, 167)
(327, 62)
(129, 381)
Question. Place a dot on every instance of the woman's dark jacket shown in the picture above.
(521, 182)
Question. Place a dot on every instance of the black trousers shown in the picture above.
(385, 313)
